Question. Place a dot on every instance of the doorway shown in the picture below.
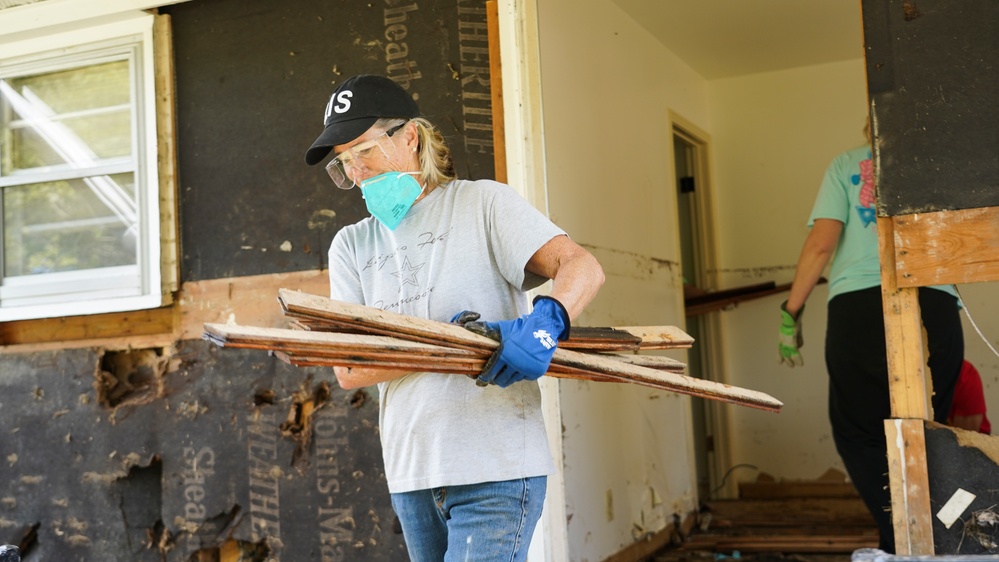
(697, 264)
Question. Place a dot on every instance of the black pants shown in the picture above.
(858, 386)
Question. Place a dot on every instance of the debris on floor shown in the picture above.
(827, 525)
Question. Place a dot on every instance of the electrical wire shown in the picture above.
(728, 472)
(964, 305)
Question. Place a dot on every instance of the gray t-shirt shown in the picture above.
(462, 247)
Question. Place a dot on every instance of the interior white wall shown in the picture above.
(607, 89)
(774, 134)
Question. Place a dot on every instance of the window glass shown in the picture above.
(75, 119)
(70, 225)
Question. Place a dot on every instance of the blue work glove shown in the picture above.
(790, 339)
(526, 343)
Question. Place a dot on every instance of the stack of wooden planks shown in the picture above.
(335, 333)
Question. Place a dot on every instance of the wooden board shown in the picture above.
(332, 314)
(97, 329)
(910, 489)
(907, 380)
(445, 334)
(947, 247)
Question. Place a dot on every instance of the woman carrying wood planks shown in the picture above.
(844, 229)
(466, 462)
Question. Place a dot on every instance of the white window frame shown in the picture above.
(114, 289)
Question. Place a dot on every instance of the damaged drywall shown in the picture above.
(213, 455)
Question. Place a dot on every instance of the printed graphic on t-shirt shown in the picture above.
(407, 274)
(865, 179)
(414, 257)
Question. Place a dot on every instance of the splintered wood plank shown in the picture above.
(340, 349)
(329, 313)
(909, 480)
(682, 384)
(299, 304)
(401, 364)
(244, 336)
(566, 361)
(627, 338)
(651, 361)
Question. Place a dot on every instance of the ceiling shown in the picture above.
(726, 38)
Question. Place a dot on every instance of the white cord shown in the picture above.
(972, 320)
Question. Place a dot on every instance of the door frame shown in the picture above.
(717, 420)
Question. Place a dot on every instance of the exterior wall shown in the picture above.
(166, 447)
(607, 90)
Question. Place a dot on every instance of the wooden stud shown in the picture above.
(907, 385)
(910, 487)
(166, 155)
(903, 336)
(496, 90)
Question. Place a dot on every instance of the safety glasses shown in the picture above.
(350, 161)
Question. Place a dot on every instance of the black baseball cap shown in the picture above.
(355, 106)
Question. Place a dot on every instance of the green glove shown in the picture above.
(790, 337)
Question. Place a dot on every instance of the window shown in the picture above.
(79, 190)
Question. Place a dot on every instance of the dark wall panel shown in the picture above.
(933, 81)
(956, 460)
(186, 452)
(253, 78)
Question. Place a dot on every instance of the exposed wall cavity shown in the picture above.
(298, 425)
(185, 453)
(131, 376)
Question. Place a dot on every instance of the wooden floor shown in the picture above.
(815, 528)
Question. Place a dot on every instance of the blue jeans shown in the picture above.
(487, 522)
